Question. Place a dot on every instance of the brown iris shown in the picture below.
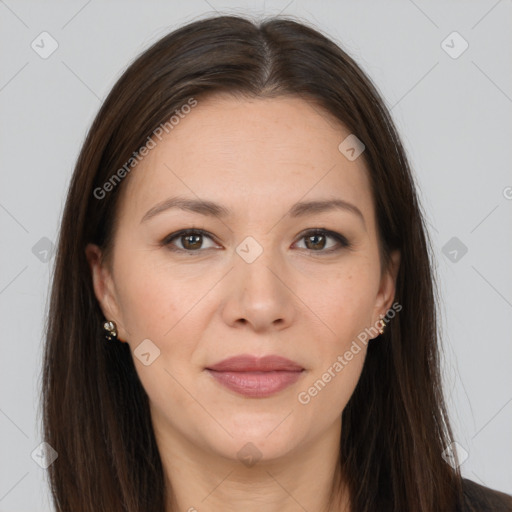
(315, 243)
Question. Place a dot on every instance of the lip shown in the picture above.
(256, 377)
(248, 363)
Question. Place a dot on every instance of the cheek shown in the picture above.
(158, 305)
(330, 385)
(346, 301)
(148, 305)
(153, 299)
(345, 306)
(171, 306)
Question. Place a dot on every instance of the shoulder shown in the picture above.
(478, 498)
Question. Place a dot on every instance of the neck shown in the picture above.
(201, 481)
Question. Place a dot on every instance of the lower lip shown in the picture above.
(256, 384)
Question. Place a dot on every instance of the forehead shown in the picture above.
(250, 152)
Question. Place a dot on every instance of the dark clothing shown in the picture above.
(478, 498)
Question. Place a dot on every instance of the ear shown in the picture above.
(387, 286)
(104, 288)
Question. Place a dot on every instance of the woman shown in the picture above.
(243, 310)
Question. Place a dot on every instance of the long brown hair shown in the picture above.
(95, 410)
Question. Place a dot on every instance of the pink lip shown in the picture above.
(256, 377)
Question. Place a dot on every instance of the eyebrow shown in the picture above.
(212, 209)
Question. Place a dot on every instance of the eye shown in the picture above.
(316, 240)
(191, 240)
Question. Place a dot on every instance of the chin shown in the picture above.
(263, 436)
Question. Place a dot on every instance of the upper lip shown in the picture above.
(249, 363)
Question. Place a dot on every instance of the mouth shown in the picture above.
(255, 377)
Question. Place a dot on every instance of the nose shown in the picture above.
(260, 294)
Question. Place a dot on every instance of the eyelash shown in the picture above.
(342, 241)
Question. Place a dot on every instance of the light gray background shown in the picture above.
(453, 115)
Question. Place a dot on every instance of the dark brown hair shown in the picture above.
(95, 410)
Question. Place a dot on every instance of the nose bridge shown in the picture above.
(258, 265)
(258, 295)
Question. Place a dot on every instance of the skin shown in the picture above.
(256, 157)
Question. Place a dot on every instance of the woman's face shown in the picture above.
(256, 280)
